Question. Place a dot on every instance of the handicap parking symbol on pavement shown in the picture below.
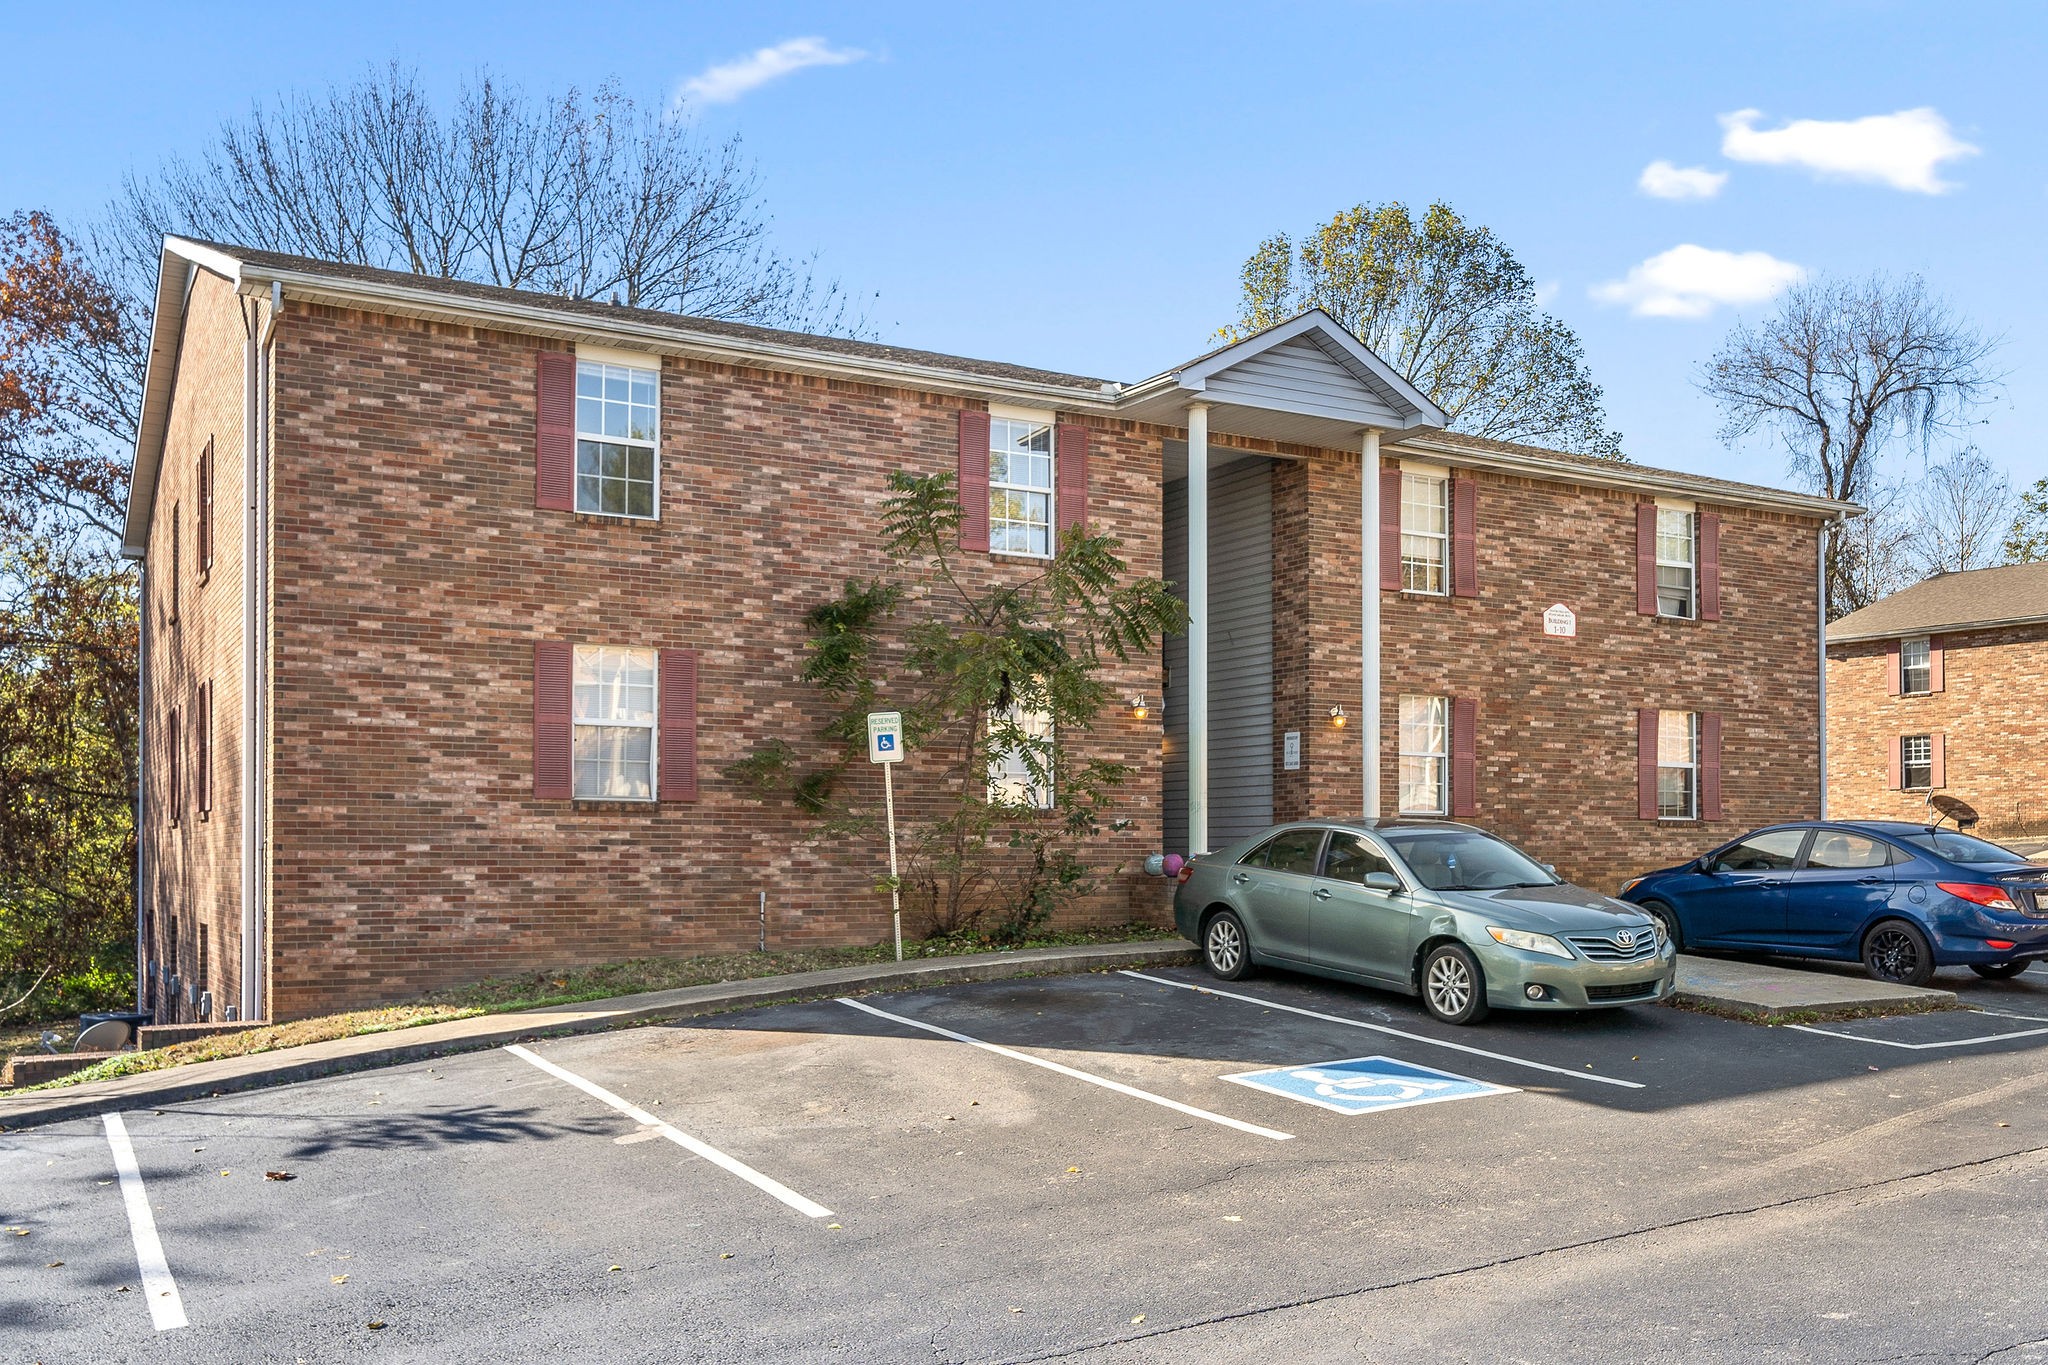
(1367, 1085)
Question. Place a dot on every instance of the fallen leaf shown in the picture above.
(1138, 1319)
(2005, 1125)
(1232, 1218)
(340, 1279)
(1073, 1170)
(1016, 1310)
(377, 1326)
(832, 1225)
(198, 1149)
(279, 1175)
(223, 1172)
(616, 1267)
(122, 1290)
(19, 1232)
(725, 1255)
(53, 1265)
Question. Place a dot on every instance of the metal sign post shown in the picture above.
(885, 746)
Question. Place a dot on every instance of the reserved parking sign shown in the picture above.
(885, 736)
(1366, 1085)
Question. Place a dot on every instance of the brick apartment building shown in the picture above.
(459, 599)
(1944, 688)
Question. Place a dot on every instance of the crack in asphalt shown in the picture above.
(1691, 1220)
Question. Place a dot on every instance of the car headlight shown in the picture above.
(1631, 884)
(1528, 942)
(1657, 926)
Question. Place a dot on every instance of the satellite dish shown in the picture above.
(108, 1035)
(1954, 808)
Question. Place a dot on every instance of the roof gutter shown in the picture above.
(1945, 628)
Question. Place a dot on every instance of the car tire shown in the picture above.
(1453, 986)
(1226, 948)
(1666, 916)
(1896, 951)
(1999, 971)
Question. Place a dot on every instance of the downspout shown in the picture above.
(1369, 619)
(255, 660)
(142, 917)
(1820, 597)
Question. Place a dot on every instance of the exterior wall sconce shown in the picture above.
(1138, 707)
(1337, 717)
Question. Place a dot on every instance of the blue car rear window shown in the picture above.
(1959, 848)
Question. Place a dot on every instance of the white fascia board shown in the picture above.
(177, 266)
(540, 320)
(1922, 632)
(1326, 329)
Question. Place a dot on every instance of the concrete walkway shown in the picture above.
(309, 1061)
(1770, 992)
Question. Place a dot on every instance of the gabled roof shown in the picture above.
(2010, 595)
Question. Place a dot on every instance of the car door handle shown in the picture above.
(1870, 881)
(1240, 878)
(1321, 893)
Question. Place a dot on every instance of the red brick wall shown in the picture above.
(194, 868)
(1557, 744)
(413, 576)
(1992, 710)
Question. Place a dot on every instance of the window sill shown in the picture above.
(613, 803)
(616, 516)
(1678, 819)
(1019, 554)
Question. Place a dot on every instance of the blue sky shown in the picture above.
(1076, 186)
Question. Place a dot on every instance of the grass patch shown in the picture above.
(504, 994)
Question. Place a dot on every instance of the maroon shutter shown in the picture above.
(1464, 763)
(177, 751)
(678, 725)
(1390, 530)
(1710, 765)
(206, 509)
(202, 743)
(1464, 537)
(1895, 777)
(553, 720)
(1935, 681)
(1070, 455)
(1895, 680)
(1710, 566)
(1937, 760)
(1646, 764)
(554, 446)
(973, 480)
(1646, 558)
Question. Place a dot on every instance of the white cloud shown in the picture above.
(726, 82)
(1692, 281)
(1662, 180)
(1904, 150)
(1547, 292)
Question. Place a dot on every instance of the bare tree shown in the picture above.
(1876, 551)
(1961, 510)
(1840, 374)
(587, 197)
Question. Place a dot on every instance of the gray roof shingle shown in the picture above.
(1951, 601)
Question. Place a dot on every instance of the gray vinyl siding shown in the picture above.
(1240, 656)
(1299, 376)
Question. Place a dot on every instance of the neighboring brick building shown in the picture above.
(475, 510)
(1944, 687)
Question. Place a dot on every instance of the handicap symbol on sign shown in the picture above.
(1367, 1085)
(885, 743)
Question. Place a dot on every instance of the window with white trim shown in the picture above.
(1916, 762)
(1916, 668)
(1678, 765)
(616, 412)
(1020, 758)
(1020, 492)
(1425, 532)
(1677, 556)
(1425, 755)
(615, 719)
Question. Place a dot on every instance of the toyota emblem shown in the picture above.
(1626, 938)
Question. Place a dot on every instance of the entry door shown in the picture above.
(1742, 899)
(1356, 929)
(1845, 880)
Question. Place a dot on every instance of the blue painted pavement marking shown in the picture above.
(1367, 1085)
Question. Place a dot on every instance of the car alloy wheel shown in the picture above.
(1224, 950)
(1668, 917)
(1452, 987)
(1896, 951)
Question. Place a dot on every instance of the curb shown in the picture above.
(339, 1056)
(1767, 993)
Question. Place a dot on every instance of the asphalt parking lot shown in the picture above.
(1126, 1166)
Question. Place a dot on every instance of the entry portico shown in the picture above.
(1304, 383)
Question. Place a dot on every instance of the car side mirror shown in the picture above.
(1551, 868)
(1382, 881)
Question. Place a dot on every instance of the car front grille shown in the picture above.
(1604, 947)
(1630, 990)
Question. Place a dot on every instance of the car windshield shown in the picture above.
(1959, 848)
(1461, 860)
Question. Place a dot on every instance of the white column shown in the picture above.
(1369, 620)
(1198, 628)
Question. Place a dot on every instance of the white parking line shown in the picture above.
(166, 1308)
(681, 1139)
(1392, 1032)
(1923, 1047)
(1078, 1075)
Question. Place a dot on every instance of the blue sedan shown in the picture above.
(1900, 898)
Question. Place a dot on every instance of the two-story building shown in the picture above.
(1943, 687)
(458, 600)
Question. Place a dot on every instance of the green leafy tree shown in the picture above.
(980, 673)
(1446, 303)
(2027, 542)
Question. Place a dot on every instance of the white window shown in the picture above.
(616, 407)
(1425, 531)
(1916, 673)
(615, 711)
(1675, 560)
(1916, 762)
(1020, 759)
(1678, 765)
(1425, 755)
(1020, 507)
